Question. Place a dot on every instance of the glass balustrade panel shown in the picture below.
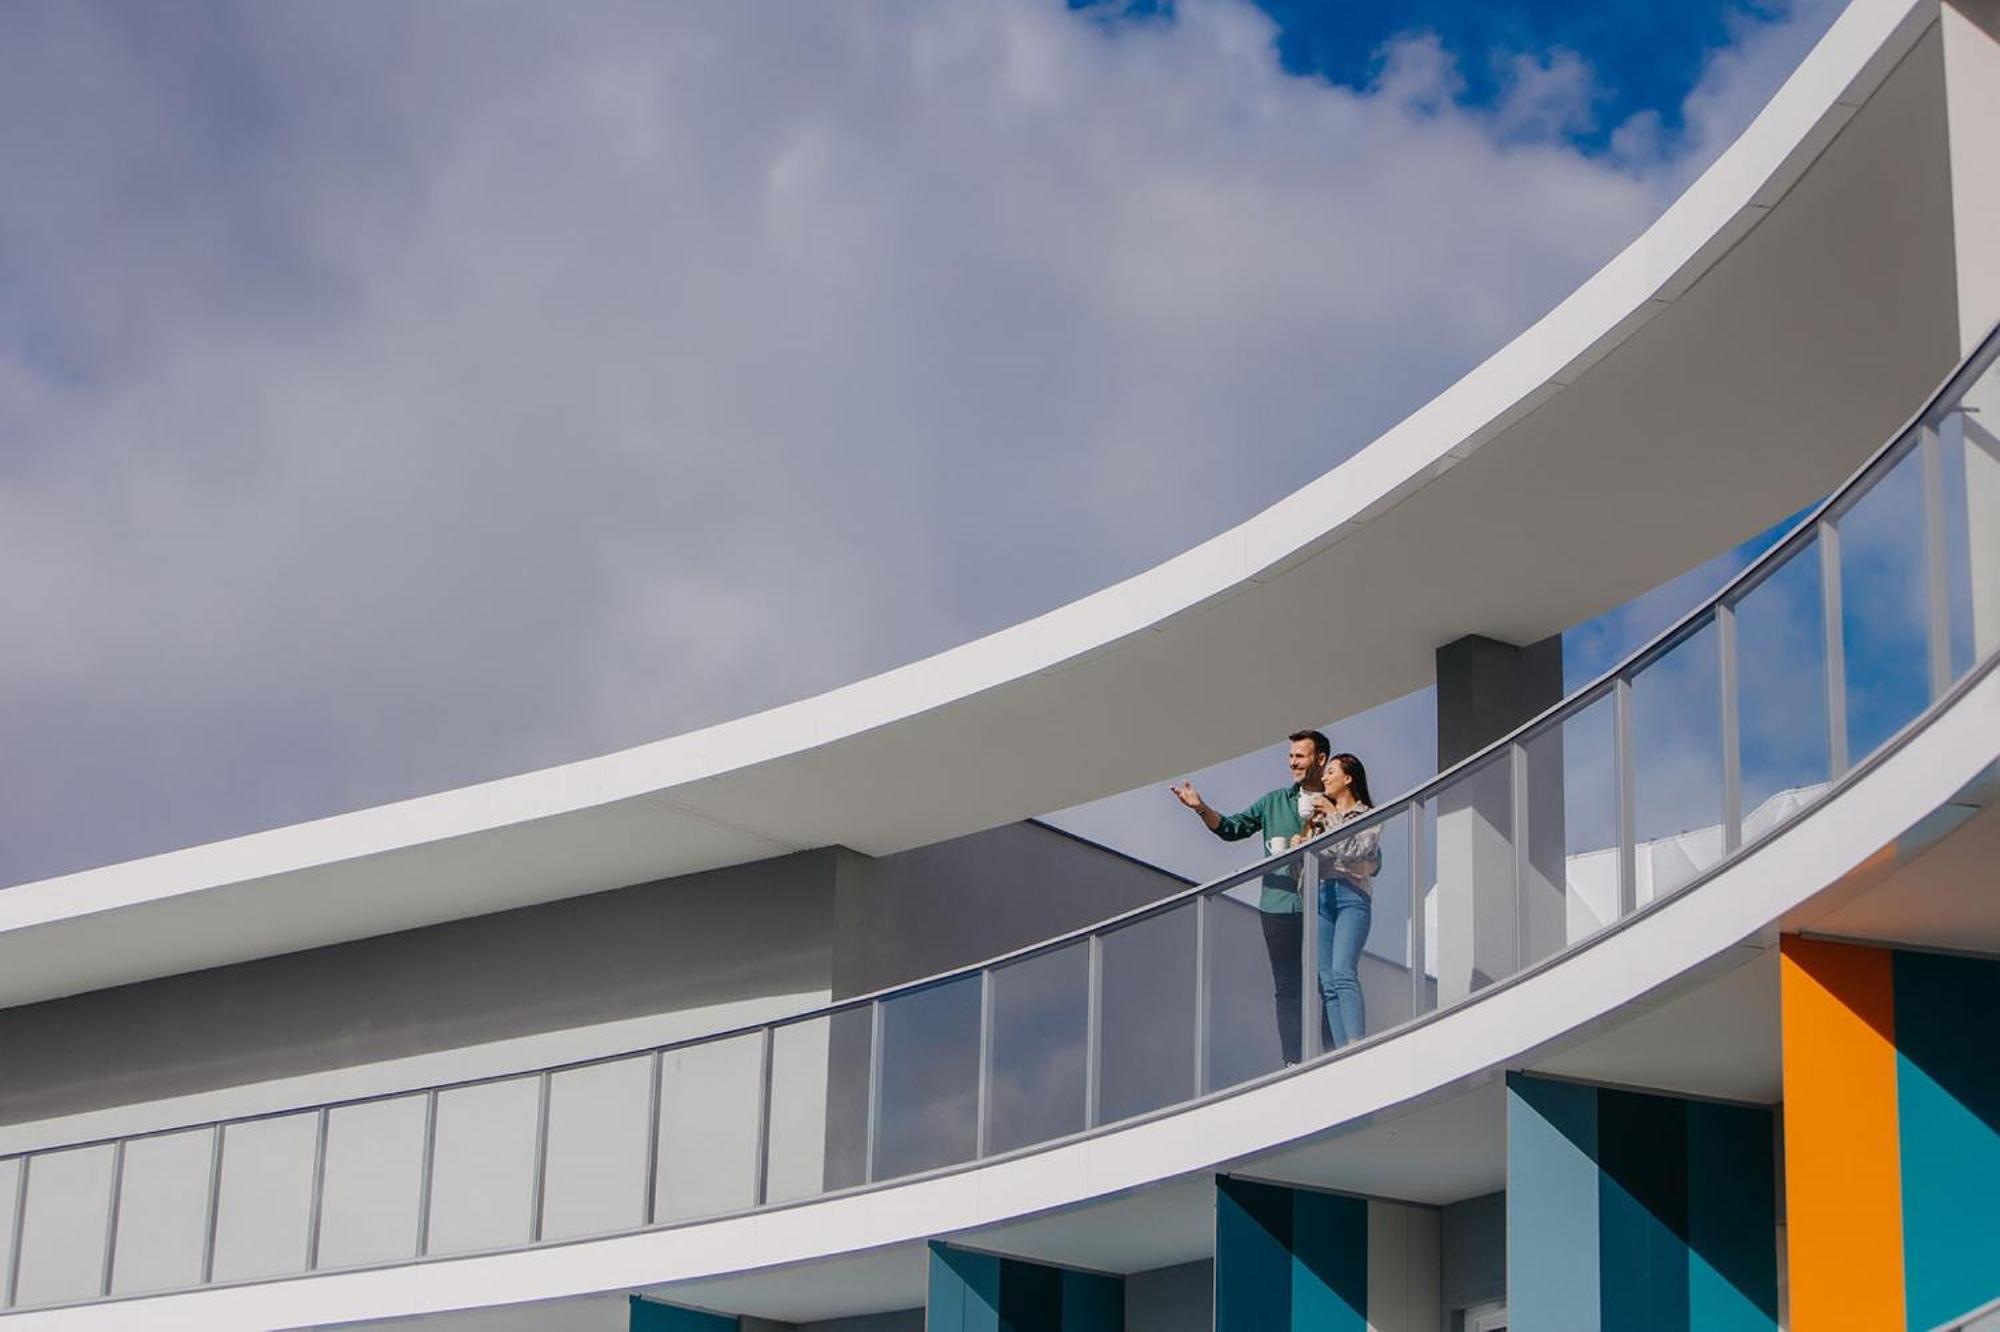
(1571, 891)
(1884, 602)
(264, 1205)
(374, 1182)
(162, 1212)
(927, 1105)
(1471, 916)
(483, 1165)
(709, 1127)
(1041, 1024)
(599, 1120)
(1677, 805)
(1146, 1050)
(62, 1232)
(1781, 694)
(1969, 436)
(1252, 1008)
(1373, 932)
(800, 1126)
(10, 1184)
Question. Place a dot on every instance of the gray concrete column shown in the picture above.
(1485, 928)
(1970, 30)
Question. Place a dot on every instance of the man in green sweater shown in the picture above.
(1276, 815)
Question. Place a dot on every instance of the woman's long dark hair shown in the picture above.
(1356, 774)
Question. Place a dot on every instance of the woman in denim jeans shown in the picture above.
(1348, 867)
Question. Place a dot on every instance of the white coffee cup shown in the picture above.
(1276, 844)
(1305, 807)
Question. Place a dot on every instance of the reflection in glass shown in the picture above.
(1572, 809)
(62, 1234)
(797, 1156)
(1147, 1043)
(265, 1202)
(1473, 851)
(1970, 439)
(1883, 601)
(1677, 765)
(483, 1167)
(374, 1179)
(1040, 1029)
(162, 1212)
(1252, 990)
(708, 1127)
(1390, 990)
(1781, 694)
(598, 1121)
(928, 1102)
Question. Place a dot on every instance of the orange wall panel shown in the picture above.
(1843, 1190)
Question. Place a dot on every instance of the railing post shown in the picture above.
(111, 1204)
(10, 1278)
(1732, 746)
(1093, 1035)
(1628, 849)
(427, 1173)
(1419, 990)
(318, 1204)
(1312, 1006)
(762, 1190)
(982, 1131)
(213, 1214)
(874, 1091)
(1831, 614)
(1936, 574)
(1201, 986)
(538, 1188)
(651, 1212)
(1517, 818)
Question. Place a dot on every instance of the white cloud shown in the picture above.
(397, 397)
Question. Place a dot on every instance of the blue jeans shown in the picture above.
(1344, 915)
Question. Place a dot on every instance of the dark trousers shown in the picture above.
(1284, 939)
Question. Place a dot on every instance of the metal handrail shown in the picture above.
(1820, 525)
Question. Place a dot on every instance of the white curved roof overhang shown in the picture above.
(1733, 363)
(1792, 879)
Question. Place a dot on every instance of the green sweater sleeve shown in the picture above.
(1236, 827)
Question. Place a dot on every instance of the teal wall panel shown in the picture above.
(964, 1291)
(981, 1292)
(1289, 1259)
(652, 1316)
(1253, 1256)
(1948, 1122)
(1552, 1204)
(1732, 1211)
(1638, 1211)
(1642, 1248)
(1329, 1262)
(1092, 1303)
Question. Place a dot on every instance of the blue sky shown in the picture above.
(399, 396)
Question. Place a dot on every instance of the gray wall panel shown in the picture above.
(733, 934)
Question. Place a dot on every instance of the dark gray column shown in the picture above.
(1486, 688)
(1488, 926)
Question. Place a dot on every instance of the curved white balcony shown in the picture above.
(1140, 1051)
(1758, 332)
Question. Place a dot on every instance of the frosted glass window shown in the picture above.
(162, 1212)
(482, 1182)
(374, 1180)
(598, 1119)
(265, 1204)
(798, 1109)
(708, 1127)
(10, 1182)
(62, 1235)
